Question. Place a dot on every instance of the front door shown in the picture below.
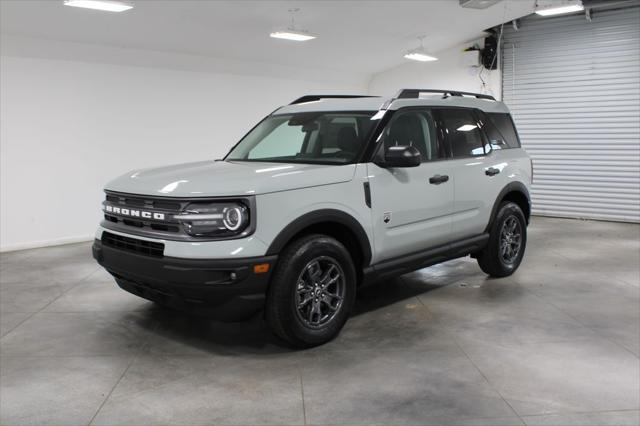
(411, 206)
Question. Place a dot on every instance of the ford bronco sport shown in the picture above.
(321, 197)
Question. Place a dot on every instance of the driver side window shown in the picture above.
(415, 128)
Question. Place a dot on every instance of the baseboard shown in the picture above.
(560, 215)
(46, 243)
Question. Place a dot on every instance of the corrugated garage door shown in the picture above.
(573, 87)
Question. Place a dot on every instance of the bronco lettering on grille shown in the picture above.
(134, 213)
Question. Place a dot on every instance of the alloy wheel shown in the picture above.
(320, 291)
(510, 240)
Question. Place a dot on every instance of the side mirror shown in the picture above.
(401, 156)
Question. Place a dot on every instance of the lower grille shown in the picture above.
(133, 245)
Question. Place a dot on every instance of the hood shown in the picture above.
(228, 178)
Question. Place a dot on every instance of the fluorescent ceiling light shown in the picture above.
(292, 32)
(466, 128)
(107, 5)
(294, 35)
(560, 9)
(478, 4)
(420, 56)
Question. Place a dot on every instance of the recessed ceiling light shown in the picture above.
(291, 32)
(420, 54)
(106, 5)
(560, 9)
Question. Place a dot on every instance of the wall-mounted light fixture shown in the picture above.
(559, 8)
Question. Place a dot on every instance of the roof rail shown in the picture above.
(415, 93)
(311, 98)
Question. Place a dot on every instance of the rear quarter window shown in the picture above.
(501, 131)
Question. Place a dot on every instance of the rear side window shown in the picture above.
(463, 133)
(501, 131)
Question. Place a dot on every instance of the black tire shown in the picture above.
(294, 274)
(492, 259)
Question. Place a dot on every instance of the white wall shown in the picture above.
(67, 127)
(73, 116)
(449, 72)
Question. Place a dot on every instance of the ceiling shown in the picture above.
(354, 36)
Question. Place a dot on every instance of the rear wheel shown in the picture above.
(507, 241)
(312, 291)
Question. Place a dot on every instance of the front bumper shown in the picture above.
(227, 286)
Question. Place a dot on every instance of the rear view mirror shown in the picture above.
(401, 156)
(310, 126)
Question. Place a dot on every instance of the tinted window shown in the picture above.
(500, 128)
(463, 133)
(414, 128)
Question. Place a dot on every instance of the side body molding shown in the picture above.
(318, 217)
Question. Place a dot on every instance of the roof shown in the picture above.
(329, 104)
(485, 105)
(375, 103)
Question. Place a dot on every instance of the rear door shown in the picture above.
(477, 173)
(411, 206)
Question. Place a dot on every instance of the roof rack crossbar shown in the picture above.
(311, 98)
(415, 93)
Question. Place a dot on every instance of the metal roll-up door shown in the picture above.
(573, 87)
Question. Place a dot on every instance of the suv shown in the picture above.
(321, 197)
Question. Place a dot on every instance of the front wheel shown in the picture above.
(312, 291)
(507, 241)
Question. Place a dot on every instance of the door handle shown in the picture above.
(491, 171)
(438, 179)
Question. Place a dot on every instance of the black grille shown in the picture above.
(141, 202)
(143, 224)
(133, 245)
(149, 204)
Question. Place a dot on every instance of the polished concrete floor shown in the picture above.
(558, 343)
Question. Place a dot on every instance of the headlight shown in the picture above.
(214, 219)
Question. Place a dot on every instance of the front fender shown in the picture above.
(321, 216)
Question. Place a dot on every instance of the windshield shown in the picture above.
(319, 137)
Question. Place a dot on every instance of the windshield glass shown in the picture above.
(319, 137)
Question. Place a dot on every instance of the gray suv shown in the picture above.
(321, 197)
